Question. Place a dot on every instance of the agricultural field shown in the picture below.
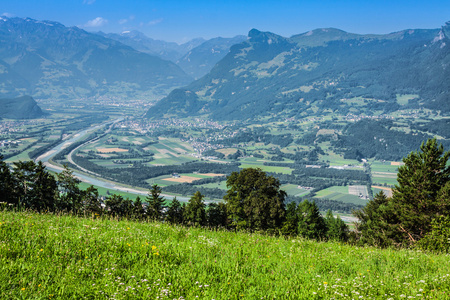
(282, 170)
(69, 257)
(341, 193)
(288, 149)
(294, 190)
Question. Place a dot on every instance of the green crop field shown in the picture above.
(221, 185)
(282, 170)
(293, 190)
(340, 193)
(64, 257)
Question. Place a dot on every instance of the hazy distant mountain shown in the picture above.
(324, 71)
(20, 108)
(201, 59)
(46, 59)
(196, 57)
(165, 50)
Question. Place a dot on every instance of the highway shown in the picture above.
(88, 176)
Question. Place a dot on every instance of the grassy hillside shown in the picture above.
(61, 257)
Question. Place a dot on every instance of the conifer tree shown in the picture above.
(216, 215)
(195, 213)
(311, 224)
(290, 225)
(91, 201)
(377, 222)
(155, 203)
(6, 184)
(24, 175)
(175, 212)
(416, 198)
(138, 209)
(71, 196)
(44, 189)
(337, 230)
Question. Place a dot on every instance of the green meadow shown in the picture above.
(45, 256)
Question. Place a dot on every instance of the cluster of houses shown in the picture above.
(6, 143)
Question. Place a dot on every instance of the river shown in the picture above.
(45, 158)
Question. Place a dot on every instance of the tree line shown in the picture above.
(253, 202)
(417, 215)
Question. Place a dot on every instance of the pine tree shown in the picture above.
(311, 224)
(138, 209)
(71, 196)
(216, 215)
(6, 184)
(175, 212)
(155, 203)
(377, 222)
(118, 206)
(24, 176)
(416, 198)
(290, 225)
(195, 214)
(44, 189)
(91, 201)
(337, 230)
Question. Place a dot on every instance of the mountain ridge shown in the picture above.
(269, 74)
(24, 107)
(47, 59)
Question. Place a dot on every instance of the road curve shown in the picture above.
(97, 180)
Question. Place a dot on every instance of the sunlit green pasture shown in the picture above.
(294, 190)
(340, 193)
(64, 257)
(282, 170)
(221, 185)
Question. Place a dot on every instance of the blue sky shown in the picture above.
(180, 21)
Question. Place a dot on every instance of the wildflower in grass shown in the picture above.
(23, 289)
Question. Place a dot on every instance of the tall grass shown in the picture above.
(61, 257)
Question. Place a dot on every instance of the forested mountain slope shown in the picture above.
(319, 72)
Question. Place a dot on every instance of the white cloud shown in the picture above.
(125, 20)
(88, 2)
(97, 22)
(154, 22)
(8, 15)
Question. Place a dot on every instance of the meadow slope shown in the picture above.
(45, 256)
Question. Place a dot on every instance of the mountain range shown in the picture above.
(45, 59)
(196, 57)
(165, 50)
(323, 71)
